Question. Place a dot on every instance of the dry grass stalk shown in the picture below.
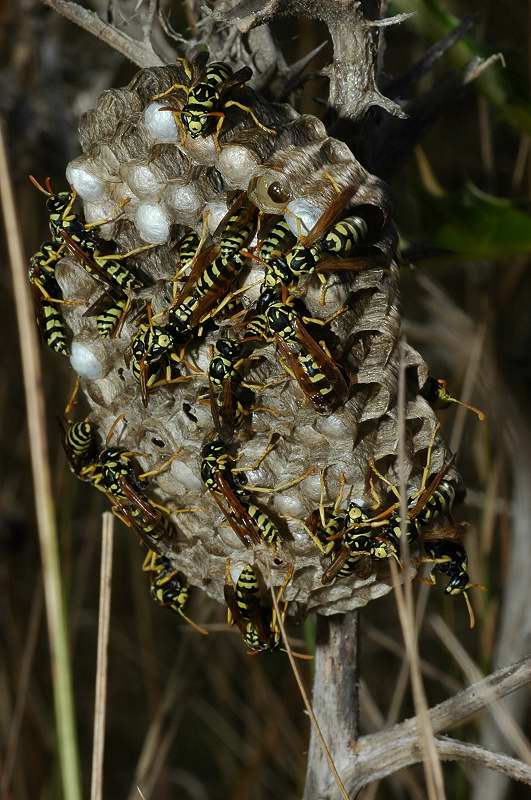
(100, 699)
(326, 750)
(33, 383)
(511, 730)
(406, 613)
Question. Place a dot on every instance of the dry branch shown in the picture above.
(382, 754)
(140, 53)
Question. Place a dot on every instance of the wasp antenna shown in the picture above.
(194, 625)
(474, 409)
(471, 615)
(300, 656)
(40, 187)
(113, 426)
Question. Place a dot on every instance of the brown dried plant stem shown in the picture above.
(100, 701)
(31, 368)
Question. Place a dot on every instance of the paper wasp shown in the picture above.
(360, 539)
(314, 369)
(249, 523)
(444, 550)
(47, 295)
(230, 402)
(435, 392)
(258, 626)
(206, 96)
(214, 270)
(80, 240)
(168, 588)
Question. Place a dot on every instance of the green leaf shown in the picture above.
(479, 225)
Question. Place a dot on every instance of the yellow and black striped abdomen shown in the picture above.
(315, 375)
(344, 236)
(54, 329)
(79, 439)
(278, 241)
(440, 502)
(108, 319)
(247, 593)
(188, 248)
(217, 73)
(268, 530)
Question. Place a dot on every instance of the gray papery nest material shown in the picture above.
(133, 150)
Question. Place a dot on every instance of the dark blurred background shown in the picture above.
(197, 718)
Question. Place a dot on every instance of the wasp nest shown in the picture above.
(140, 169)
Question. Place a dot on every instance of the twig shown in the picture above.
(453, 750)
(100, 700)
(381, 754)
(33, 382)
(503, 718)
(140, 53)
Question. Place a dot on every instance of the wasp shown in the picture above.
(433, 500)
(435, 392)
(258, 625)
(314, 369)
(47, 296)
(149, 346)
(215, 270)
(248, 521)
(230, 402)
(206, 96)
(79, 439)
(359, 540)
(80, 240)
(450, 558)
(168, 588)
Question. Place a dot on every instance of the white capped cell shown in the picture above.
(214, 213)
(96, 212)
(89, 186)
(86, 362)
(291, 506)
(142, 180)
(153, 223)
(334, 427)
(160, 124)
(311, 487)
(186, 476)
(301, 216)
(237, 164)
(184, 199)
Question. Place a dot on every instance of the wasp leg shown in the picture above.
(157, 470)
(173, 88)
(251, 114)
